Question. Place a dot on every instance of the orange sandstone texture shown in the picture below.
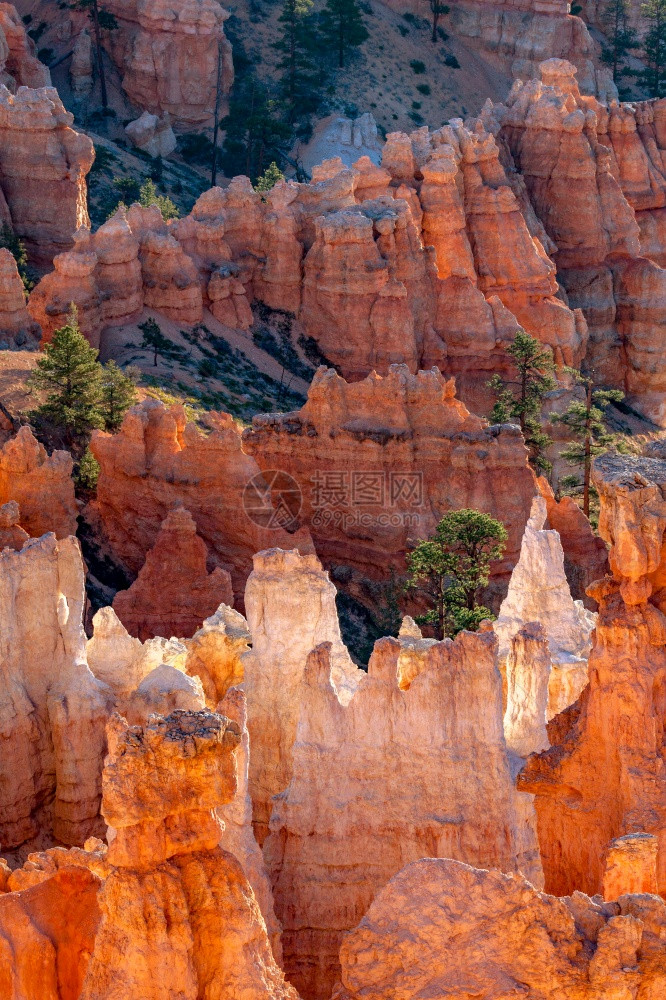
(557, 140)
(178, 917)
(397, 774)
(12, 535)
(43, 168)
(379, 462)
(52, 709)
(603, 776)
(41, 484)
(173, 592)
(19, 66)
(631, 865)
(157, 461)
(168, 57)
(290, 604)
(441, 928)
(16, 327)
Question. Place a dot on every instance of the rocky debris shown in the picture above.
(52, 709)
(152, 134)
(41, 484)
(157, 461)
(43, 168)
(238, 837)
(173, 592)
(290, 603)
(12, 535)
(216, 652)
(163, 691)
(631, 865)
(81, 65)
(393, 776)
(602, 777)
(539, 592)
(16, 327)
(177, 913)
(169, 59)
(444, 928)
(19, 66)
(370, 457)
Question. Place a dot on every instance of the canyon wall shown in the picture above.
(43, 168)
(603, 776)
(168, 57)
(52, 710)
(158, 461)
(379, 462)
(41, 484)
(398, 772)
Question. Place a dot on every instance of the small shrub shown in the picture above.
(403, 30)
(408, 16)
(416, 117)
(452, 62)
(87, 473)
(416, 105)
(195, 148)
(418, 66)
(36, 33)
(45, 55)
(423, 88)
(442, 34)
(271, 175)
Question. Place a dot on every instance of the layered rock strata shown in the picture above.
(603, 776)
(52, 709)
(41, 484)
(171, 60)
(177, 913)
(173, 592)
(443, 928)
(43, 168)
(290, 604)
(369, 460)
(399, 773)
(17, 329)
(608, 264)
(19, 66)
(158, 460)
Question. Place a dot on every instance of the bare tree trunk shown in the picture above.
(216, 122)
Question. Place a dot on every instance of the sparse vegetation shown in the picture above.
(418, 66)
(521, 398)
(451, 568)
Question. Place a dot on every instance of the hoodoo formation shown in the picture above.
(332, 500)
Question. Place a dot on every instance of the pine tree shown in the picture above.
(342, 27)
(621, 38)
(296, 43)
(586, 421)
(271, 175)
(534, 367)
(70, 374)
(154, 340)
(654, 47)
(451, 568)
(255, 131)
(149, 195)
(437, 8)
(102, 20)
(118, 393)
